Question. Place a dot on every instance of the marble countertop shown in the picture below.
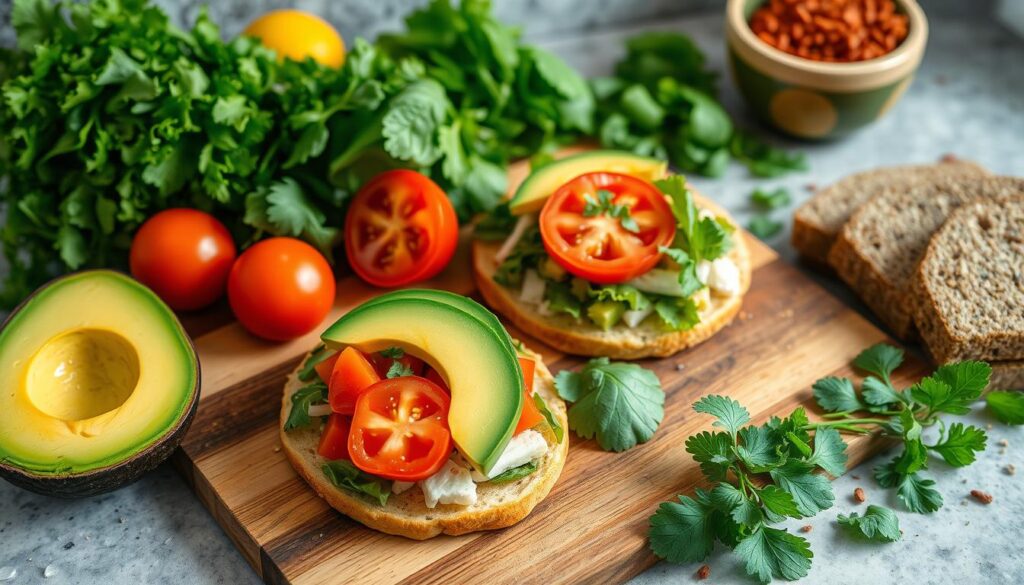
(967, 102)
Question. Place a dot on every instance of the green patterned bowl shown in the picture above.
(813, 99)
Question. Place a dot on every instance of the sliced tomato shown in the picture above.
(436, 378)
(596, 246)
(334, 440)
(324, 368)
(352, 374)
(531, 415)
(400, 429)
(401, 228)
(382, 363)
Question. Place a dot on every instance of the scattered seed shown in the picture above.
(1003, 443)
(704, 572)
(168, 540)
(1010, 469)
(277, 449)
(983, 497)
(948, 158)
(69, 545)
(680, 367)
(858, 494)
(49, 571)
(806, 528)
(855, 477)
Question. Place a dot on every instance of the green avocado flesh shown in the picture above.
(543, 182)
(96, 372)
(480, 366)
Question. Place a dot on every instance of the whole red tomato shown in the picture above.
(184, 255)
(281, 288)
(401, 228)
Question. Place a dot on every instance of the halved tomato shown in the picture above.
(352, 374)
(400, 429)
(606, 227)
(324, 368)
(400, 229)
(531, 415)
(334, 440)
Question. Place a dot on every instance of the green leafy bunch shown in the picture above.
(904, 414)
(494, 99)
(760, 475)
(662, 102)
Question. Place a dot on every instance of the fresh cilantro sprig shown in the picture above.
(620, 404)
(604, 205)
(301, 400)
(740, 509)
(904, 414)
(877, 523)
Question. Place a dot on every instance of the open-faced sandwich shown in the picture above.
(419, 415)
(610, 257)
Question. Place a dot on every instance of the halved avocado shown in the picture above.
(483, 374)
(98, 384)
(543, 182)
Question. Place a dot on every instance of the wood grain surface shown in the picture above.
(591, 528)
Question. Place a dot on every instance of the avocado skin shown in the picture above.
(112, 477)
(105, 479)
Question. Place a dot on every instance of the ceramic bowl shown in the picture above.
(814, 99)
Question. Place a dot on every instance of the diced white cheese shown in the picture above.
(703, 271)
(398, 487)
(724, 277)
(633, 318)
(452, 485)
(533, 288)
(522, 449)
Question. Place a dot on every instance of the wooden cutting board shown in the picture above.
(592, 526)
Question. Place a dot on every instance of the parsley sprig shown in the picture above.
(761, 475)
(604, 205)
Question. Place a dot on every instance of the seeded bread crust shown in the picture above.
(970, 284)
(565, 333)
(817, 222)
(406, 514)
(878, 250)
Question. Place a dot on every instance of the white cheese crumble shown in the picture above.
(521, 449)
(398, 487)
(633, 318)
(721, 275)
(452, 485)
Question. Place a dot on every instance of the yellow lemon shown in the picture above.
(295, 34)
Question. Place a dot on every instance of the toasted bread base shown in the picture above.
(620, 342)
(406, 514)
(1007, 375)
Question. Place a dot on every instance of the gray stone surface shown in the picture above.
(968, 99)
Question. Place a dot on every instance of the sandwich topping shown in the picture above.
(619, 251)
(384, 427)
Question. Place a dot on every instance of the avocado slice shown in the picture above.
(481, 369)
(605, 314)
(456, 300)
(100, 384)
(543, 182)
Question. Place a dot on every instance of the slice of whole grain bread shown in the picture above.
(1007, 375)
(818, 221)
(878, 250)
(970, 284)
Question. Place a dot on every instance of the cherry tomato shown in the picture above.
(185, 256)
(281, 288)
(531, 415)
(400, 229)
(400, 429)
(382, 363)
(597, 247)
(352, 374)
(334, 440)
